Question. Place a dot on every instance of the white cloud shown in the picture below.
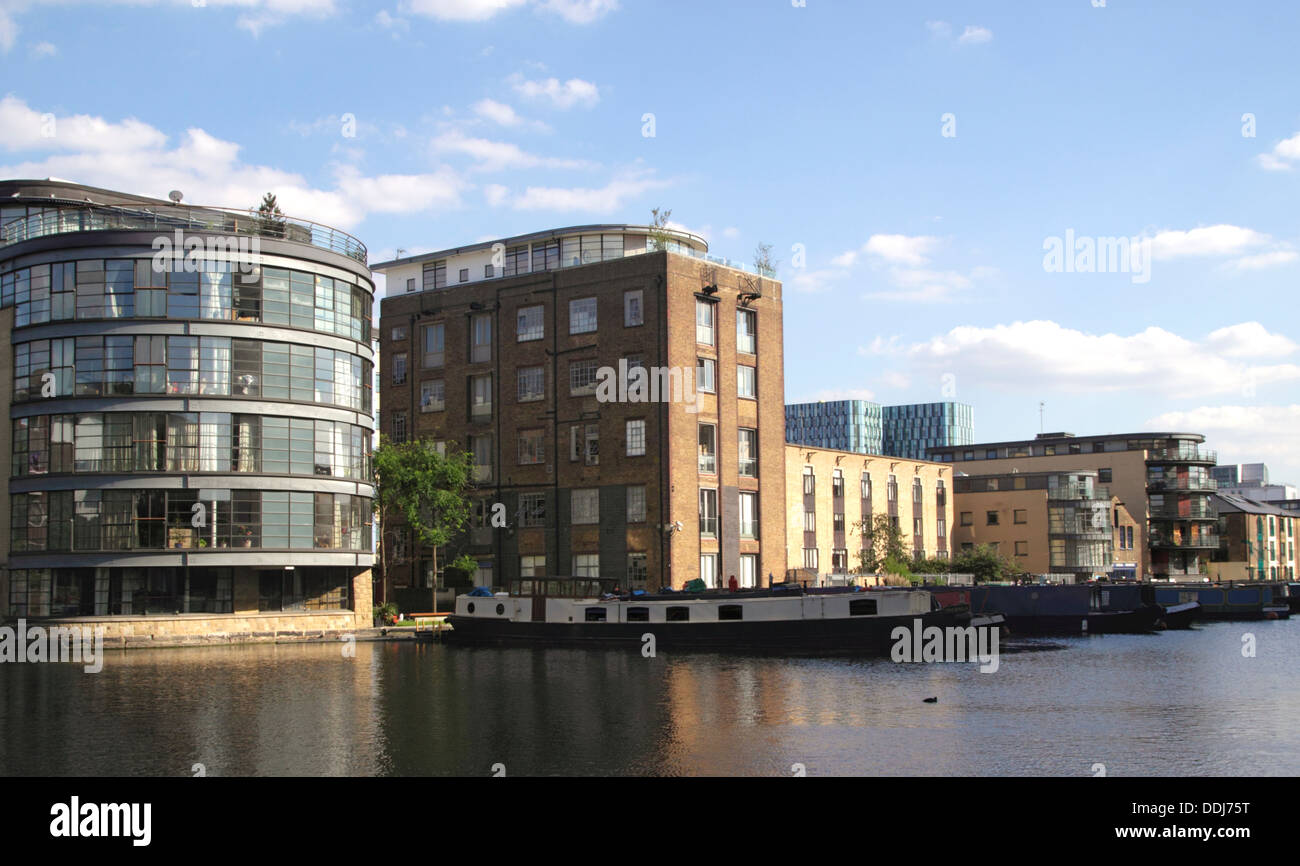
(135, 157)
(921, 286)
(566, 94)
(845, 260)
(973, 35)
(1282, 156)
(499, 155)
(901, 249)
(391, 22)
(1249, 340)
(497, 112)
(731, 233)
(43, 49)
(1244, 434)
(938, 28)
(459, 10)
(1218, 240)
(611, 197)
(580, 11)
(1046, 354)
(812, 282)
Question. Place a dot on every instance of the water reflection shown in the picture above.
(1168, 704)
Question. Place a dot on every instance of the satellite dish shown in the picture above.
(176, 196)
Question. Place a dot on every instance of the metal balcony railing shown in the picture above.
(1189, 483)
(1163, 537)
(168, 218)
(1182, 455)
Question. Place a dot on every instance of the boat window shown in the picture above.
(862, 607)
(470, 609)
(525, 587)
(595, 614)
(731, 611)
(678, 614)
(638, 614)
(501, 608)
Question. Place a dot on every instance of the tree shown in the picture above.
(764, 264)
(270, 219)
(884, 543)
(659, 233)
(983, 561)
(425, 491)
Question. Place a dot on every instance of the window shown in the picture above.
(433, 396)
(434, 275)
(182, 365)
(516, 260)
(582, 316)
(731, 612)
(585, 507)
(632, 313)
(635, 433)
(398, 334)
(588, 565)
(399, 427)
(708, 512)
(531, 326)
(531, 383)
(748, 571)
(839, 560)
(967, 518)
(480, 339)
(746, 382)
(480, 448)
(809, 520)
(810, 558)
(704, 322)
(399, 369)
(747, 453)
(748, 514)
(709, 570)
(708, 449)
(706, 375)
(582, 377)
(837, 484)
(532, 566)
(862, 606)
(636, 579)
(480, 391)
(532, 509)
(1103, 476)
(678, 613)
(464, 275)
(434, 341)
(487, 271)
(1022, 548)
(584, 444)
(532, 449)
(636, 503)
(410, 284)
(917, 491)
(1019, 515)
(991, 518)
(546, 256)
(809, 481)
(746, 331)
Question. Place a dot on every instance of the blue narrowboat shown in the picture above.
(1230, 600)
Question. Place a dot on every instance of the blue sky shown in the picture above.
(909, 163)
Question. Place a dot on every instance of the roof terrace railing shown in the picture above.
(168, 218)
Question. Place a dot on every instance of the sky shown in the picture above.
(1077, 215)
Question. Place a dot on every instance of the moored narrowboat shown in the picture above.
(583, 612)
(1064, 609)
(1230, 600)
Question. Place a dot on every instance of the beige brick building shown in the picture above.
(1258, 540)
(504, 349)
(1045, 522)
(830, 492)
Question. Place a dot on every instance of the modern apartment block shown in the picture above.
(1250, 481)
(1163, 480)
(1257, 540)
(1048, 523)
(869, 428)
(190, 416)
(504, 349)
(830, 493)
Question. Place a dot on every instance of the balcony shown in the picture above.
(1163, 537)
(1068, 492)
(1206, 485)
(1182, 455)
(1186, 510)
(169, 218)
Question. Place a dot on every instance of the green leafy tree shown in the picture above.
(270, 219)
(659, 233)
(418, 488)
(986, 564)
(884, 543)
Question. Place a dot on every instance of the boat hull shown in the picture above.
(872, 635)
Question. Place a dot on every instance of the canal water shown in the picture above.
(1176, 703)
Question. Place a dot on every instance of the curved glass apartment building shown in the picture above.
(191, 415)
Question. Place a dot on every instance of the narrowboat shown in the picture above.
(584, 612)
(1230, 600)
(1063, 609)
(1293, 597)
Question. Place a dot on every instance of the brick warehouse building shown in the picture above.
(496, 348)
